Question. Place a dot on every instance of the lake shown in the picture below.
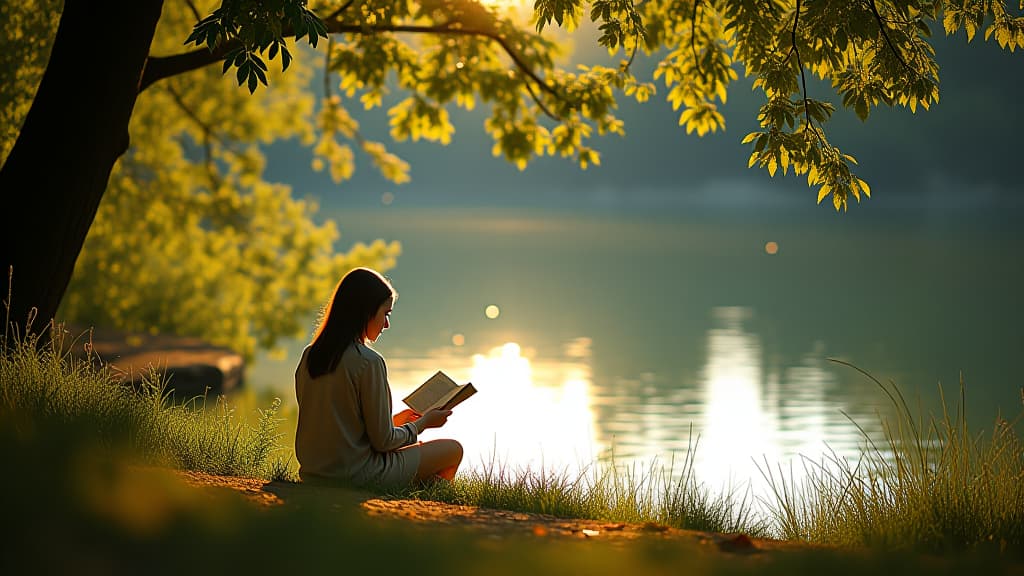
(639, 335)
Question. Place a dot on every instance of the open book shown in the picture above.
(439, 391)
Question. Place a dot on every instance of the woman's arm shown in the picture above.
(434, 418)
(375, 396)
(404, 417)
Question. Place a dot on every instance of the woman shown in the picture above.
(346, 430)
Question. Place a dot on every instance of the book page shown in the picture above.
(444, 401)
(431, 392)
(458, 396)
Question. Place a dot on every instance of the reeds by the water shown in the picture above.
(658, 494)
(932, 483)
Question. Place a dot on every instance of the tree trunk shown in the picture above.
(77, 127)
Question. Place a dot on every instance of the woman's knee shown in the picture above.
(437, 454)
(450, 451)
(455, 450)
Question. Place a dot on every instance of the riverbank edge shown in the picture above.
(486, 522)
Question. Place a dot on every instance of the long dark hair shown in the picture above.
(356, 299)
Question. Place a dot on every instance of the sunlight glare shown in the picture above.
(504, 5)
(750, 420)
(533, 413)
(503, 366)
(528, 413)
(736, 427)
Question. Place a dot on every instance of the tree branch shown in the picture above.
(327, 69)
(195, 11)
(639, 33)
(160, 67)
(888, 41)
(799, 64)
(632, 55)
(329, 94)
(803, 78)
(693, 34)
(208, 135)
(334, 15)
(540, 103)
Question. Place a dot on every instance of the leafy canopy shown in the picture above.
(189, 237)
(440, 52)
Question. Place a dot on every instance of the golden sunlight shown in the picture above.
(736, 428)
(529, 412)
(501, 5)
(749, 422)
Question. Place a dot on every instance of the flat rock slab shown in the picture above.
(190, 366)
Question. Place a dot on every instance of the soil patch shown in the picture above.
(486, 521)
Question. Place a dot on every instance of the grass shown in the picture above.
(46, 386)
(658, 494)
(932, 484)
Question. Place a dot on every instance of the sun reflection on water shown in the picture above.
(745, 416)
(530, 412)
(561, 410)
(735, 423)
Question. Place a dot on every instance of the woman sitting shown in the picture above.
(346, 430)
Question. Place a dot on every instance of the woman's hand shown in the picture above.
(404, 417)
(434, 418)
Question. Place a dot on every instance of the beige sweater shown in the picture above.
(345, 431)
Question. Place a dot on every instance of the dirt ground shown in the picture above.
(487, 522)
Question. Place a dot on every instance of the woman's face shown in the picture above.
(380, 321)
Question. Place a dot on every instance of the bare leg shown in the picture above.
(439, 458)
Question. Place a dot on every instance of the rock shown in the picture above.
(191, 366)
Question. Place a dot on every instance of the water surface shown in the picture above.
(642, 335)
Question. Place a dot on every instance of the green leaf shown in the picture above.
(762, 141)
(286, 57)
(242, 72)
(211, 37)
(862, 108)
(192, 37)
(259, 74)
(313, 36)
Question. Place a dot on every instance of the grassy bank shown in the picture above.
(931, 484)
(669, 495)
(46, 387)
